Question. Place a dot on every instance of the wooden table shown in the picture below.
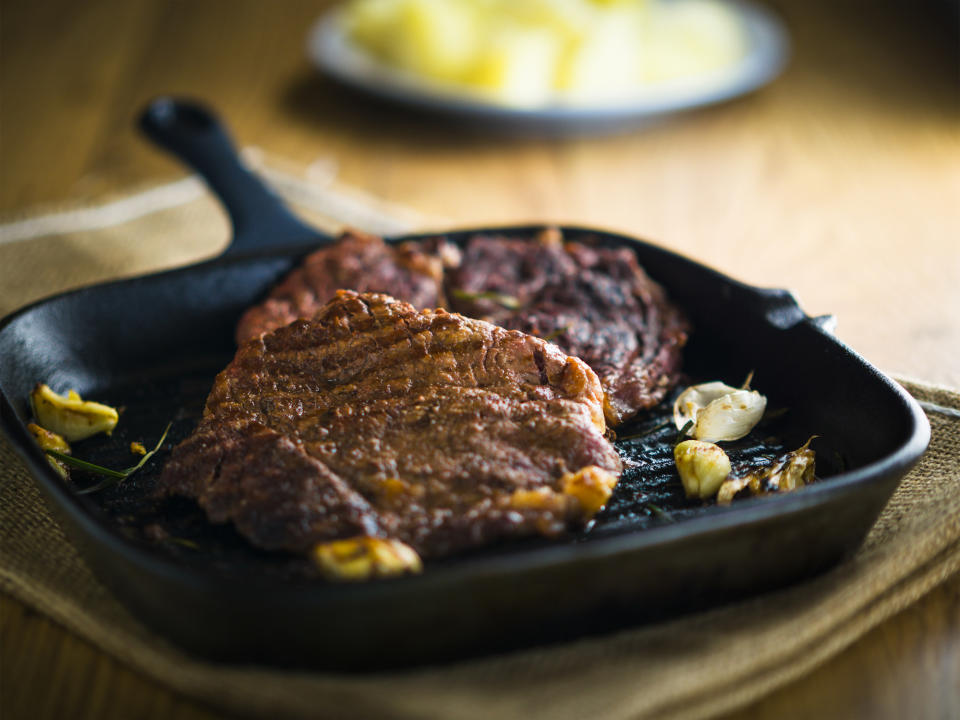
(841, 182)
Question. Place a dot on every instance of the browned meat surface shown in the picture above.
(358, 261)
(595, 303)
(373, 419)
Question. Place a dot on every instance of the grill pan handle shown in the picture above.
(195, 135)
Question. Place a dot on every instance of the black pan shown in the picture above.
(154, 344)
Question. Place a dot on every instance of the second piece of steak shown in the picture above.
(375, 420)
(409, 271)
(595, 303)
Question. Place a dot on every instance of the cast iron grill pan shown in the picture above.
(154, 344)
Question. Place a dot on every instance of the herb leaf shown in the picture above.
(84, 465)
(683, 432)
(658, 511)
(556, 333)
(648, 431)
(112, 477)
(508, 301)
(184, 542)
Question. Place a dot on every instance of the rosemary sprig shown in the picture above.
(683, 432)
(84, 465)
(648, 431)
(841, 463)
(659, 512)
(556, 333)
(112, 477)
(508, 301)
(184, 542)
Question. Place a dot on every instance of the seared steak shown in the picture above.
(375, 420)
(408, 271)
(595, 303)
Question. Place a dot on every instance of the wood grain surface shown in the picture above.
(841, 182)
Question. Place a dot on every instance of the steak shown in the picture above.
(408, 271)
(374, 420)
(595, 303)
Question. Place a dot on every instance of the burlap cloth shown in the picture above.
(692, 667)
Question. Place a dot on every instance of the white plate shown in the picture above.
(332, 51)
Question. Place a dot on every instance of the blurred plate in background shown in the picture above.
(333, 52)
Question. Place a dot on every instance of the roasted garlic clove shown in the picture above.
(788, 472)
(71, 416)
(591, 487)
(703, 467)
(541, 498)
(51, 441)
(363, 558)
(718, 411)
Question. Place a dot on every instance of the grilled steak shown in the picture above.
(375, 420)
(595, 303)
(408, 271)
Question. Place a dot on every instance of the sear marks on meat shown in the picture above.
(410, 271)
(375, 420)
(595, 303)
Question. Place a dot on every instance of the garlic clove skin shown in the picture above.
(788, 472)
(719, 412)
(791, 471)
(696, 397)
(703, 467)
(731, 417)
(730, 487)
